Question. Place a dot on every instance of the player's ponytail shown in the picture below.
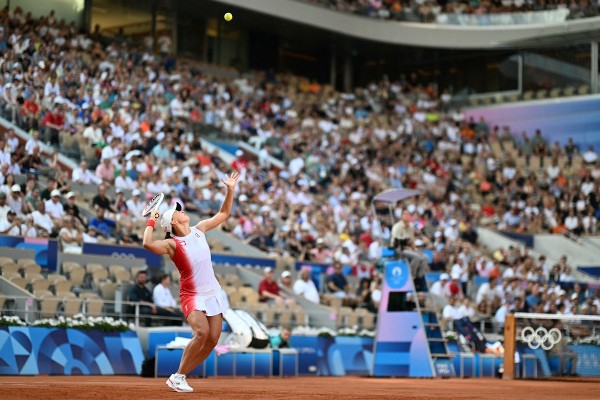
(168, 236)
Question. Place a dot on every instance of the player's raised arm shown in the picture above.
(159, 247)
(211, 223)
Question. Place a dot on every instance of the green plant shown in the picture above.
(6, 320)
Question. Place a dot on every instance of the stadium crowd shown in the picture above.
(427, 11)
(136, 117)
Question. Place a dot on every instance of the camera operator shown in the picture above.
(403, 240)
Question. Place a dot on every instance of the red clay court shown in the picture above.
(120, 387)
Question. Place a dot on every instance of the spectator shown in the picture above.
(135, 205)
(590, 156)
(403, 236)
(286, 280)
(72, 209)
(43, 222)
(268, 291)
(53, 123)
(15, 201)
(565, 354)
(338, 284)
(10, 226)
(84, 176)
(4, 207)
(441, 288)
(282, 341)
(321, 254)
(54, 207)
(102, 201)
(103, 226)
(363, 293)
(106, 171)
(451, 312)
(162, 297)
(306, 287)
(139, 293)
(91, 236)
(33, 142)
(70, 236)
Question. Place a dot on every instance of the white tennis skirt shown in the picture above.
(210, 302)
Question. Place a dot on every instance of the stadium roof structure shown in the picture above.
(393, 196)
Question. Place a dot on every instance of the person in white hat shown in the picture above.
(16, 200)
(53, 205)
(440, 288)
(200, 292)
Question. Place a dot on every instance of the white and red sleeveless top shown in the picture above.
(192, 259)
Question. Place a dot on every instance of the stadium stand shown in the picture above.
(337, 149)
(428, 11)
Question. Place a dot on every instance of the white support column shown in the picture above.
(594, 67)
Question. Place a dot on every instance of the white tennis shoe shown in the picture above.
(178, 383)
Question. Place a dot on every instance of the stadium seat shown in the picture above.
(250, 298)
(285, 318)
(541, 94)
(433, 277)
(513, 98)
(230, 290)
(113, 269)
(6, 260)
(342, 315)
(269, 317)
(20, 282)
(54, 278)
(92, 267)
(480, 280)
(76, 276)
(246, 290)
(71, 305)
(93, 304)
(11, 275)
(122, 276)
(10, 267)
(21, 262)
(300, 317)
(583, 90)
(368, 321)
(569, 91)
(100, 275)
(39, 284)
(135, 270)
(429, 254)
(48, 305)
(32, 269)
(235, 299)
(554, 93)
(387, 252)
(528, 95)
(335, 302)
(67, 266)
(352, 319)
(61, 287)
(108, 289)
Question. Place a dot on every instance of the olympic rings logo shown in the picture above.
(541, 337)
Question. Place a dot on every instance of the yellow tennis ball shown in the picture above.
(228, 17)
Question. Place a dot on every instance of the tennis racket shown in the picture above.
(153, 205)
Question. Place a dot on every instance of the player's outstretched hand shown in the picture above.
(230, 181)
(154, 215)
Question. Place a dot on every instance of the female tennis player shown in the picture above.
(200, 293)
